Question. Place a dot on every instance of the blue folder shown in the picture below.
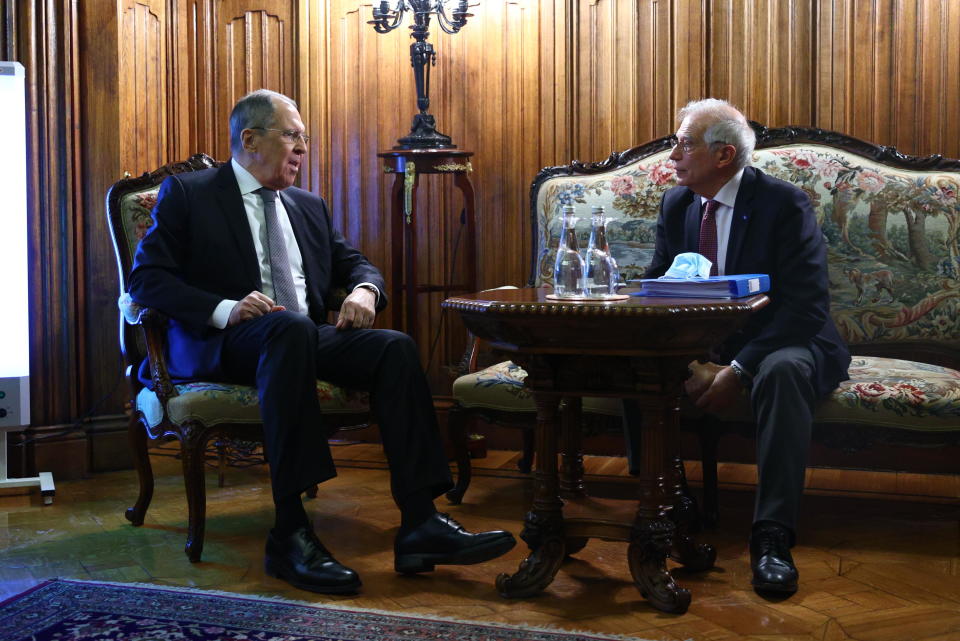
(730, 286)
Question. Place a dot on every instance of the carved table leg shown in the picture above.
(653, 532)
(647, 554)
(686, 551)
(571, 452)
(543, 526)
(571, 460)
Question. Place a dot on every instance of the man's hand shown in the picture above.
(253, 305)
(358, 310)
(712, 387)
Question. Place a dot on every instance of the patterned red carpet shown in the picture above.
(67, 610)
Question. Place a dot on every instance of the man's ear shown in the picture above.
(726, 156)
(249, 139)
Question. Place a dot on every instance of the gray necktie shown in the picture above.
(284, 293)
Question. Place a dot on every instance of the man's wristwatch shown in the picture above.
(745, 379)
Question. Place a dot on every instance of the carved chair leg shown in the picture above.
(709, 434)
(193, 455)
(221, 461)
(525, 464)
(141, 461)
(457, 434)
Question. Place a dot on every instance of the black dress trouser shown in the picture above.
(284, 353)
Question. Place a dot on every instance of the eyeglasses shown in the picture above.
(289, 135)
(686, 146)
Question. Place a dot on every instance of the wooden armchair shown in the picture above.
(197, 412)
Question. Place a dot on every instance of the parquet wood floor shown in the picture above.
(871, 569)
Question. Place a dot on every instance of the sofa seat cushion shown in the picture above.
(885, 392)
(215, 403)
(500, 387)
(896, 393)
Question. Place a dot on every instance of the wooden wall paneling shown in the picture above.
(103, 134)
(312, 50)
(940, 127)
(204, 88)
(682, 59)
(192, 60)
(831, 50)
(762, 58)
(938, 76)
(523, 110)
(656, 80)
(142, 85)
(42, 35)
(8, 34)
(887, 72)
(857, 88)
(596, 70)
(45, 33)
(906, 76)
(254, 45)
(181, 48)
(633, 62)
(363, 66)
(554, 83)
(124, 97)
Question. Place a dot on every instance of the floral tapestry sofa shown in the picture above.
(892, 224)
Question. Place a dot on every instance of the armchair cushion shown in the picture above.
(500, 387)
(215, 403)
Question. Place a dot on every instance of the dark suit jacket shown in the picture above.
(773, 231)
(200, 251)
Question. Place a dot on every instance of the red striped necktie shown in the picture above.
(708, 234)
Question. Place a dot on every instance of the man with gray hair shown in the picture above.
(242, 261)
(789, 354)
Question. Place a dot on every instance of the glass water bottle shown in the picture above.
(568, 268)
(602, 274)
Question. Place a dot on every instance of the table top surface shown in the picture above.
(534, 301)
(525, 320)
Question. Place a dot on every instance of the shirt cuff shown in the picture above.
(221, 313)
(372, 288)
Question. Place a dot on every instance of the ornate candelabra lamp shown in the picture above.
(387, 17)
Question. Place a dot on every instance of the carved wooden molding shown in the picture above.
(581, 309)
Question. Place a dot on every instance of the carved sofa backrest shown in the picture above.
(892, 224)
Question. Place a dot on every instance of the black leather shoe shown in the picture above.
(301, 560)
(770, 559)
(442, 541)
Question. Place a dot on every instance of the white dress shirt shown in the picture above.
(253, 204)
(727, 197)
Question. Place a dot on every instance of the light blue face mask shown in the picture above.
(689, 265)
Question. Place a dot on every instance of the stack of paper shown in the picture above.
(731, 286)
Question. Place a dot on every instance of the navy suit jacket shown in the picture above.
(200, 251)
(773, 231)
